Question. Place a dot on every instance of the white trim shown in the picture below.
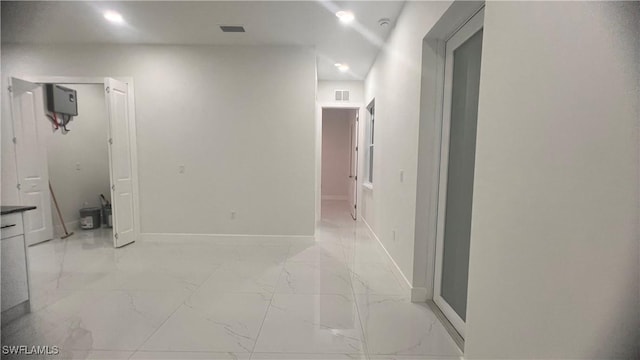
(339, 105)
(359, 107)
(396, 268)
(65, 79)
(369, 141)
(133, 138)
(429, 131)
(471, 27)
(419, 294)
(451, 314)
(439, 92)
(317, 170)
(132, 118)
(367, 185)
(335, 197)
(455, 336)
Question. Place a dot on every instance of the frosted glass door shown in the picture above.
(462, 152)
(462, 84)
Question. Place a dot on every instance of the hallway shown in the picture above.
(233, 298)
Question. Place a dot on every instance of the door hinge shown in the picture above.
(18, 186)
(113, 187)
(356, 177)
(10, 88)
(110, 141)
(108, 90)
(355, 206)
(116, 236)
(15, 140)
(356, 148)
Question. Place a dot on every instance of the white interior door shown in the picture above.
(353, 165)
(30, 126)
(457, 165)
(120, 161)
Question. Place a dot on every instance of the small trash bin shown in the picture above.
(90, 218)
(106, 215)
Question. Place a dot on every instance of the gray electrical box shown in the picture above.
(62, 100)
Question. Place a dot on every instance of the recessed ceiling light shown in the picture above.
(114, 17)
(345, 16)
(342, 67)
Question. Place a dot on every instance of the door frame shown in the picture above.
(90, 80)
(474, 24)
(354, 147)
(359, 107)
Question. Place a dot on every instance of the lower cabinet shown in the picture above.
(13, 263)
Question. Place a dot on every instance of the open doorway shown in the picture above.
(44, 131)
(339, 168)
(78, 165)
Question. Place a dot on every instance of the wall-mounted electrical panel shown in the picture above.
(62, 100)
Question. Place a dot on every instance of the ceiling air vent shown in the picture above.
(231, 28)
(342, 95)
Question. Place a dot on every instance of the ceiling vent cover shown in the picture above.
(342, 95)
(232, 28)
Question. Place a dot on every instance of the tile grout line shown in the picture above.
(173, 312)
(355, 301)
(270, 302)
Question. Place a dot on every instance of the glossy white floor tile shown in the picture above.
(102, 355)
(188, 355)
(335, 297)
(414, 357)
(312, 324)
(243, 277)
(298, 356)
(222, 322)
(394, 326)
(331, 277)
(326, 251)
(375, 278)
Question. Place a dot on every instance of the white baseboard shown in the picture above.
(396, 269)
(419, 294)
(225, 239)
(334, 197)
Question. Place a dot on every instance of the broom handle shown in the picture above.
(55, 202)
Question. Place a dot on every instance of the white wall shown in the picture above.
(555, 253)
(394, 82)
(554, 266)
(85, 146)
(336, 146)
(240, 119)
(326, 90)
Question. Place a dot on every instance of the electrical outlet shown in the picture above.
(401, 176)
(233, 215)
(77, 166)
(181, 169)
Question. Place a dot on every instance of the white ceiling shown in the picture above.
(308, 23)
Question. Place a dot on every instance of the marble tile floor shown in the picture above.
(335, 297)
